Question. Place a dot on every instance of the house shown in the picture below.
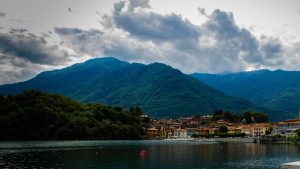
(246, 129)
(287, 127)
(223, 123)
(203, 131)
(234, 129)
(260, 129)
(152, 133)
(206, 131)
(180, 134)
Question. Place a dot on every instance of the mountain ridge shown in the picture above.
(276, 90)
(159, 89)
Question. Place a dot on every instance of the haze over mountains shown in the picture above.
(160, 90)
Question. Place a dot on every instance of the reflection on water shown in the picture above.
(159, 154)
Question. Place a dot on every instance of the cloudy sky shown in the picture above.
(212, 36)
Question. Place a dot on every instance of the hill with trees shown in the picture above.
(33, 115)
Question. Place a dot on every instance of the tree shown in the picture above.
(248, 117)
(269, 131)
(223, 129)
(218, 114)
(298, 132)
(260, 117)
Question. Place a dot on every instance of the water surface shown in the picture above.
(159, 154)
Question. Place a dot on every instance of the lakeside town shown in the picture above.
(206, 127)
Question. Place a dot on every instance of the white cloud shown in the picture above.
(134, 32)
(218, 45)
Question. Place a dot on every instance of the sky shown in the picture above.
(207, 36)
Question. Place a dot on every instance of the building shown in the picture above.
(152, 133)
(180, 134)
(246, 129)
(287, 127)
(206, 131)
(234, 129)
(260, 129)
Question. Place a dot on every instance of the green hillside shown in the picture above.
(33, 115)
(275, 90)
(160, 90)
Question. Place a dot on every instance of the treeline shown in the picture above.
(34, 115)
(246, 117)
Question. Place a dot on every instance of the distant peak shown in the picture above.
(104, 59)
(261, 70)
(157, 64)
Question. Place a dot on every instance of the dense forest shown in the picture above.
(33, 115)
(246, 117)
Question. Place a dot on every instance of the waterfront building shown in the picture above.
(152, 133)
(287, 127)
(180, 134)
(206, 131)
(234, 129)
(260, 129)
(246, 129)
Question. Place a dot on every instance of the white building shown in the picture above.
(288, 126)
(180, 134)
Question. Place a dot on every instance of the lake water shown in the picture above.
(159, 154)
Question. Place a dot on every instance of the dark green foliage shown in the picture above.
(269, 131)
(256, 117)
(298, 132)
(195, 135)
(246, 117)
(225, 115)
(260, 117)
(278, 91)
(34, 115)
(223, 129)
(158, 89)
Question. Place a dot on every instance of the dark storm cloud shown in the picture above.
(14, 69)
(221, 25)
(96, 43)
(154, 26)
(82, 41)
(272, 51)
(19, 43)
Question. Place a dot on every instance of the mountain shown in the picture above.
(160, 90)
(275, 90)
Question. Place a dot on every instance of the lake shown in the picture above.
(159, 154)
